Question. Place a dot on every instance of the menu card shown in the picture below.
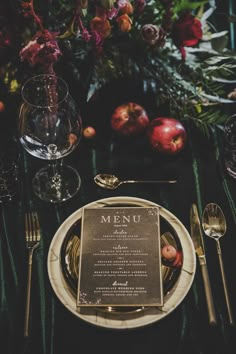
(120, 257)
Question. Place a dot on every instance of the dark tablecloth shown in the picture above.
(53, 329)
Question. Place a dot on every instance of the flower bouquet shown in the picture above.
(170, 45)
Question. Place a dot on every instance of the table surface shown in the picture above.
(53, 329)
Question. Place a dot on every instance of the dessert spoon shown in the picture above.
(214, 225)
(108, 181)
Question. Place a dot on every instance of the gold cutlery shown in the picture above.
(108, 181)
(214, 226)
(196, 234)
(32, 237)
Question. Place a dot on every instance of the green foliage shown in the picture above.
(181, 5)
(192, 90)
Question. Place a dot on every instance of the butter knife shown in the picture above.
(196, 234)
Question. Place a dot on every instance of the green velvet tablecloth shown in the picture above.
(53, 329)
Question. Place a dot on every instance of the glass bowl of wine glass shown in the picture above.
(50, 128)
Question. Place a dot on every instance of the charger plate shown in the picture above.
(63, 274)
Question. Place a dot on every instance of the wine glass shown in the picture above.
(50, 128)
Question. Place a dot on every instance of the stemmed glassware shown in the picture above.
(50, 128)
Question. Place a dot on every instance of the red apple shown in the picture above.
(169, 252)
(166, 135)
(2, 106)
(129, 119)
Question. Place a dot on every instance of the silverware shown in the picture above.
(32, 237)
(214, 225)
(196, 234)
(108, 181)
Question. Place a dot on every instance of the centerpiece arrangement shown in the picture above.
(171, 46)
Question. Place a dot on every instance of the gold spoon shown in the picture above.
(214, 225)
(108, 181)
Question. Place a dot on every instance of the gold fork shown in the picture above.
(32, 237)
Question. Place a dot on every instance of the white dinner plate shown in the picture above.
(123, 320)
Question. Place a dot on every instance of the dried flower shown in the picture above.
(124, 22)
(153, 35)
(127, 9)
(101, 26)
(42, 49)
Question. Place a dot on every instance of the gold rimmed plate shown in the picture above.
(70, 252)
(63, 263)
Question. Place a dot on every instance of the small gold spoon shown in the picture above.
(112, 182)
(214, 225)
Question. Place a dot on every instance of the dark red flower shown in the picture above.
(45, 36)
(186, 31)
(42, 49)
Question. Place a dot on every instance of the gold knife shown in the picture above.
(196, 234)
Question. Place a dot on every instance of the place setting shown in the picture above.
(114, 275)
(117, 173)
(115, 258)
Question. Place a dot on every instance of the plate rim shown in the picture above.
(107, 320)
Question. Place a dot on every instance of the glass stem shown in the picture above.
(55, 167)
(55, 175)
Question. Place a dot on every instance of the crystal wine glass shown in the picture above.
(50, 128)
